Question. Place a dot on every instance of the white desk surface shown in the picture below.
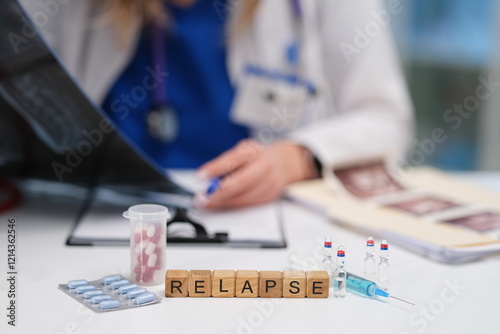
(44, 262)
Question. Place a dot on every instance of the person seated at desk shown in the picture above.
(262, 92)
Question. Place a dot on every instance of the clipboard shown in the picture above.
(101, 224)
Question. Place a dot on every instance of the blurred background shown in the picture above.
(449, 48)
(446, 46)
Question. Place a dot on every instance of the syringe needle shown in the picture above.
(391, 296)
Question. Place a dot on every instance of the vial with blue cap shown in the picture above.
(340, 275)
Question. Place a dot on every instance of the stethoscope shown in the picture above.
(162, 120)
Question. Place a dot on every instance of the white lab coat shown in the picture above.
(362, 108)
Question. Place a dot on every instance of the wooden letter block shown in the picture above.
(318, 284)
(271, 284)
(176, 283)
(223, 282)
(294, 284)
(200, 283)
(247, 283)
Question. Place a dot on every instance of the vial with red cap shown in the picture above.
(327, 263)
(340, 275)
(370, 264)
(383, 269)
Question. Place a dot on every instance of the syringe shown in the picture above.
(367, 288)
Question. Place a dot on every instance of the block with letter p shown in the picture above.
(270, 284)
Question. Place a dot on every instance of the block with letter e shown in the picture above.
(270, 284)
(200, 283)
(176, 283)
(318, 284)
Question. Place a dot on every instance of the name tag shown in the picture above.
(271, 100)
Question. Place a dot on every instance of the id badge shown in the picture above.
(263, 101)
(163, 124)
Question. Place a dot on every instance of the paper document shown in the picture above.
(432, 214)
(258, 226)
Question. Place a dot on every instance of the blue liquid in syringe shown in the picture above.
(367, 288)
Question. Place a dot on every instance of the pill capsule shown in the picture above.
(110, 279)
(156, 238)
(147, 275)
(109, 304)
(145, 243)
(142, 258)
(159, 233)
(159, 260)
(152, 260)
(100, 298)
(83, 288)
(92, 293)
(140, 234)
(126, 288)
(151, 230)
(138, 269)
(77, 283)
(150, 249)
(116, 284)
(144, 298)
(136, 292)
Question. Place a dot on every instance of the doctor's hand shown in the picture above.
(254, 174)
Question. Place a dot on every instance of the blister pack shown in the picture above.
(111, 293)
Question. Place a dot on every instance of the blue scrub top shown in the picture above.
(198, 89)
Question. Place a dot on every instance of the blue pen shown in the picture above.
(213, 186)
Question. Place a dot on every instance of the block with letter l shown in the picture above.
(223, 283)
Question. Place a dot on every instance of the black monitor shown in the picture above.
(50, 130)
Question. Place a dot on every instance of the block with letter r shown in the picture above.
(176, 283)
